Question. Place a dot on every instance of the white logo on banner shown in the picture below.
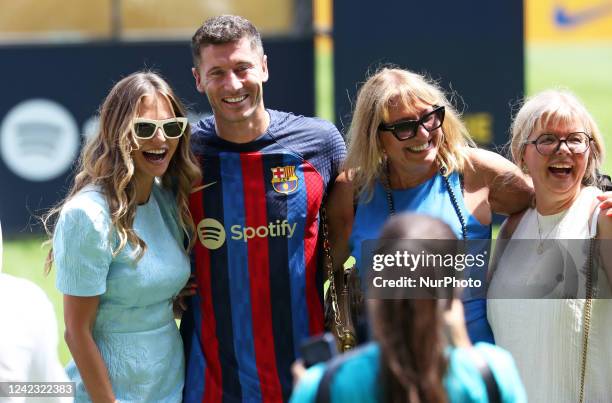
(91, 127)
(39, 140)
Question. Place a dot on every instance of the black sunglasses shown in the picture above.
(407, 129)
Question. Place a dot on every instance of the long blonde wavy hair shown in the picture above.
(365, 157)
(106, 162)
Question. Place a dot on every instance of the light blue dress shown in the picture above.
(135, 329)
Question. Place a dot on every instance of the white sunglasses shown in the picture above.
(145, 129)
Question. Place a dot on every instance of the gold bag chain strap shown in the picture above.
(346, 337)
(586, 323)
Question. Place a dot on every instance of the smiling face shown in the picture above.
(557, 176)
(419, 151)
(152, 156)
(232, 76)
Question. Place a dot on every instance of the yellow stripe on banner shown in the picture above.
(324, 44)
(322, 11)
(324, 59)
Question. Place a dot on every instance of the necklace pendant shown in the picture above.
(540, 247)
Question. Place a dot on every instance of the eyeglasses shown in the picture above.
(407, 129)
(145, 129)
(548, 144)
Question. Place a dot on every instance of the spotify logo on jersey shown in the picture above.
(211, 233)
(39, 140)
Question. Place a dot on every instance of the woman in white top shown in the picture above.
(28, 340)
(556, 141)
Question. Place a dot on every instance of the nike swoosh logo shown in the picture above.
(566, 19)
(198, 188)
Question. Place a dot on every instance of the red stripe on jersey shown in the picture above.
(209, 343)
(259, 277)
(314, 192)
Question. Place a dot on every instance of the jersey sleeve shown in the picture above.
(327, 152)
(81, 249)
(337, 152)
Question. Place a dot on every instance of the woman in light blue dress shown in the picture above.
(120, 246)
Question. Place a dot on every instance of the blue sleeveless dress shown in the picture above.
(431, 198)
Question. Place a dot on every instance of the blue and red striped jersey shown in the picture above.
(256, 258)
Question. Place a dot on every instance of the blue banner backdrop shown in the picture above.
(474, 47)
(51, 95)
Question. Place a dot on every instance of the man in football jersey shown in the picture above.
(265, 174)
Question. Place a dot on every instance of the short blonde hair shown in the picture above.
(556, 107)
(382, 90)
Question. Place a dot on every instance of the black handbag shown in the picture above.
(604, 182)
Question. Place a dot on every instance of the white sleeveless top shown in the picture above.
(545, 336)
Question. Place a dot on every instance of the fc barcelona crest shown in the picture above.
(284, 180)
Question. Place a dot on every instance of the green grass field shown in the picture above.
(25, 258)
(582, 69)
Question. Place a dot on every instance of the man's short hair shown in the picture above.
(224, 29)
